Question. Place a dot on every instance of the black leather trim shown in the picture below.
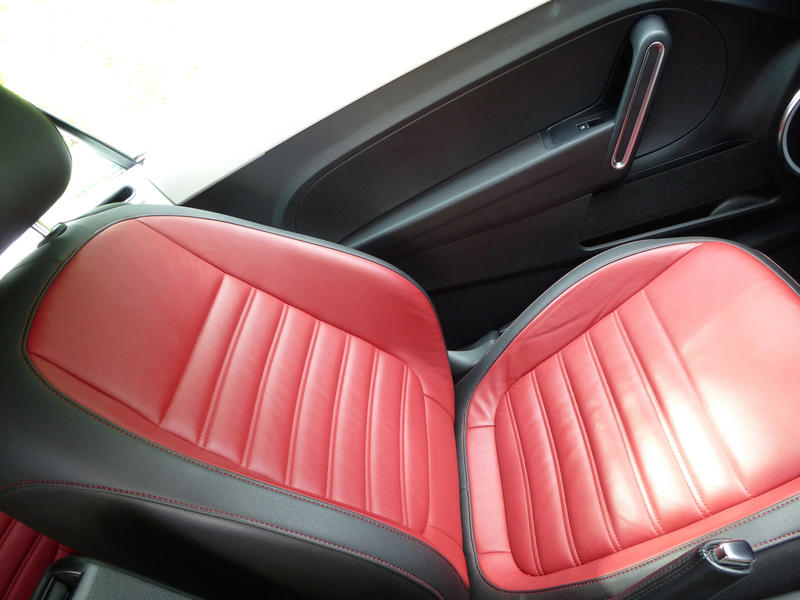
(773, 522)
(35, 165)
(43, 438)
(207, 540)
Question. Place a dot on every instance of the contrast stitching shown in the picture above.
(242, 479)
(206, 509)
(680, 548)
(775, 539)
(23, 352)
(501, 346)
(697, 395)
(470, 543)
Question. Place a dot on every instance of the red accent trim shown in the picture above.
(621, 422)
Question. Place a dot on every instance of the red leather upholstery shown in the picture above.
(651, 403)
(24, 555)
(278, 359)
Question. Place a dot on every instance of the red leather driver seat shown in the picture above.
(226, 408)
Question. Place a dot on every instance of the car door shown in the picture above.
(490, 171)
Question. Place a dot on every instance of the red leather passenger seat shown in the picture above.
(644, 408)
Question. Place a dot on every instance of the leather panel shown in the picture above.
(48, 437)
(167, 344)
(621, 421)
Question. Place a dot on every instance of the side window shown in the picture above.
(95, 180)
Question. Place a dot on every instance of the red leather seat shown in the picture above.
(305, 389)
(648, 402)
(224, 407)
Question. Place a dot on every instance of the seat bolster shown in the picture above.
(770, 520)
(111, 494)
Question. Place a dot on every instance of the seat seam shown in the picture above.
(632, 460)
(265, 485)
(34, 545)
(404, 509)
(368, 434)
(95, 387)
(5, 532)
(557, 469)
(262, 384)
(427, 455)
(226, 473)
(677, 451)
(223, 373)
(444, 533)
(775, 539)
(522, 462)
(298, 404)
(571, 286)
(676, 549)
(335, 416)
(222, 513)
(308, 240)
(171, 397)
(610, 531)
(698, 396)
(272, 294)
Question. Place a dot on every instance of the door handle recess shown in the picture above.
(650, 40)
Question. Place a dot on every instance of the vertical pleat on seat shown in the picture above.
(24, 556)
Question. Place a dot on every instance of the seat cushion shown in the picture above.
(649, 401)
(317, 374)
(24, 556)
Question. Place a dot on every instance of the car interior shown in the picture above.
(521, 323)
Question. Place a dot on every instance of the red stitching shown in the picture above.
(680, 548)
(23, 352)
(775, 539)
(227, 514)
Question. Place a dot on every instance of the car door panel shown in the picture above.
(472, 173)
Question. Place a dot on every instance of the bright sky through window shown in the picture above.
(203, 87)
